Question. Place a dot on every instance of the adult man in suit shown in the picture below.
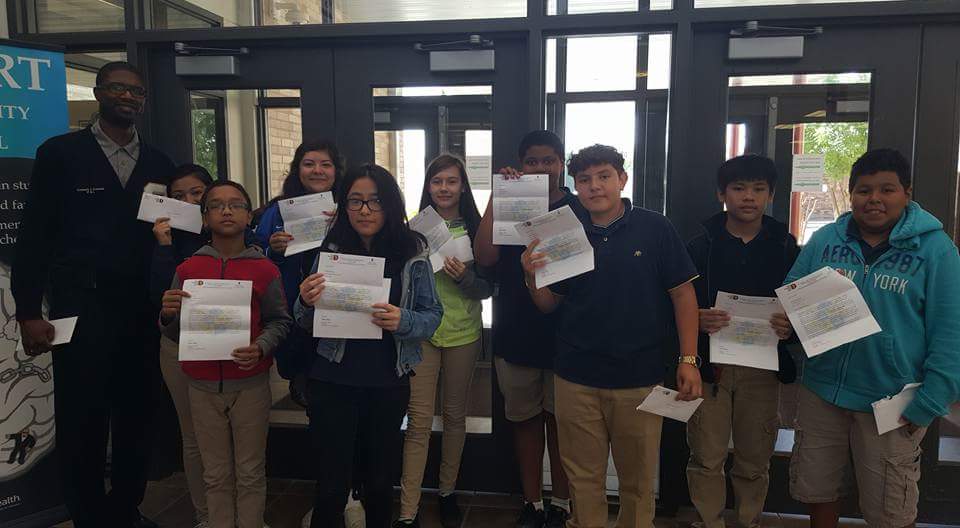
(81, 246)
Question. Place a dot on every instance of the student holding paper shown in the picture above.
(359, 388)
(188, 183)
(316, 167)
(613, 324)
(230, 400)
(452, 350)
(741, 251)
(523, 343)
(908, 271)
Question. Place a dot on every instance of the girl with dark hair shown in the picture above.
(452, 350)
(230, 400)
(359, 388)
(188, 184)
(316, 167)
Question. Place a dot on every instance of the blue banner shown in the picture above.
(33, 108)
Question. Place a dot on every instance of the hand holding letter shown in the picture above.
(247, 357)
(172, 299)
(311, 288)
(279, 242)
(689, 383)
(387, 316)
(713, 320)
(454, 268)
(37, 334)
(161, 230)
(781, 325)
(532, 261)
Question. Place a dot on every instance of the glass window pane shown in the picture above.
(172, 16)
(608, 123)
(550, 60)
(575, 7)
(751, 3)
(61, 16)
(659, 59)
(231, 13)
(601, 63)
(282, 12)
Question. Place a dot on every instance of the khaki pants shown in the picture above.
(231, 430)
(456, 364)
(592, 422)
(178, 384)
(744, 402)
(834, 446)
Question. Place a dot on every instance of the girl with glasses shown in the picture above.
(359, 388)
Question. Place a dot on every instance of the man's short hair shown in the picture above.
(541, 137)
(111, 67)
(592, 156)
(881, 160)
(750, 168)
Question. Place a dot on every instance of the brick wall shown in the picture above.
(284, 135)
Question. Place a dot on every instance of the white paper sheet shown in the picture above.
(458, 247)
(749, 340)
(563, 240)
(304, 220)
(808, 172)
(215, 319)
(888, 411)
(517, 200)
(353, 283)
(184, 216)
(62, 331)
(826, 310)
(663, 401)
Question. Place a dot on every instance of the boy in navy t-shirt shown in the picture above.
(614, 323)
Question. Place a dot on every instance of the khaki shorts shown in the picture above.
(835, 447)
(527, 391)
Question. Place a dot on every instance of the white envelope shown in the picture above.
(664, 402)
(62, 331)
(888, 411)
(184, 216)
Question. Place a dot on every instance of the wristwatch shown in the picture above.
(689, 360)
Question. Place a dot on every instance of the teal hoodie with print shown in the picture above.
(913, 291)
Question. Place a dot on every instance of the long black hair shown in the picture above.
(292, 186)
(468, 206)
(395, 241)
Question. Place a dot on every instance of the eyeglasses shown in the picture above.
(356, 204)
(118, 88)
(223, 206)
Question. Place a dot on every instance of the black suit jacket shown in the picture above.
(79, 229)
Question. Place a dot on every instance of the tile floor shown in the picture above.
(288, 500)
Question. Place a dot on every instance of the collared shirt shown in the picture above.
(616, 319)
(123, 158)
(870, 253)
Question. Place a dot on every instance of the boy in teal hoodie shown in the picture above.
(908, 270)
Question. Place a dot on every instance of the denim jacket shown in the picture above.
(420, 314)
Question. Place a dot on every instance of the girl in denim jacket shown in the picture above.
(359, 388)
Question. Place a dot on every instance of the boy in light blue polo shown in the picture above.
(908, 270)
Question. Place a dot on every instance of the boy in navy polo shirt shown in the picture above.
(614, 321)
(524, 346)
(746, 252)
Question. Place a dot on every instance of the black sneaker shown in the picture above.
(556, 517)
(530, 517)
(450, 516)
(415, 523)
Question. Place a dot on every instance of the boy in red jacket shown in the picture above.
(230, 400)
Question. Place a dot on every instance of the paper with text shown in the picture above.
(749, 340)
(663, 401)
(517, 200)
(304, 220)
(215, 319)
(889, 411)
(826, 310)
(353, 284)
(433, 227)
(62, 331)
(184, 216)
(563, 241)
